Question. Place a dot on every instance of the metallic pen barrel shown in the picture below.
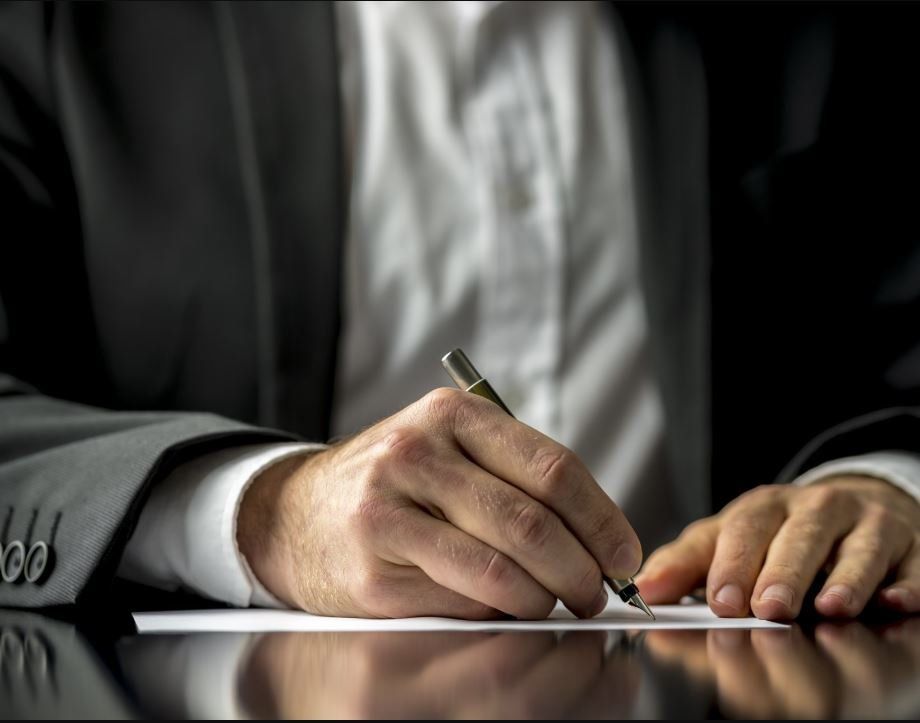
(465, 376)
(461, 369)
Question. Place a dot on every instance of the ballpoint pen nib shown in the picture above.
(638, 602)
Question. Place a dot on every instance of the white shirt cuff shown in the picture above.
(902, 469)
(186, 534)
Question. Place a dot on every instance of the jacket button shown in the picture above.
(13, 561)
(39, 562)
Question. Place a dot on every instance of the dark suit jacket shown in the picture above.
(172, 199)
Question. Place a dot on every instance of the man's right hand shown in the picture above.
(450, 507)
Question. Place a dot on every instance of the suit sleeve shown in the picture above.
(76, 478)
(896, 428)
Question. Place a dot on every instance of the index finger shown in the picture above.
(545, 470)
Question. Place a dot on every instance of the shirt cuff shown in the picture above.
(902, 469)
(186, 534)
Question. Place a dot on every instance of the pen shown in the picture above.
(466, 377)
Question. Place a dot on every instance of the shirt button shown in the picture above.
(518, 197)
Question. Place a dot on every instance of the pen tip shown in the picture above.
(638, 602)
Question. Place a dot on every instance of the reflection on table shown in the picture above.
(832, 670)
(47, 668)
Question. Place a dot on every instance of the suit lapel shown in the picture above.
(670, 135)
(283, 78)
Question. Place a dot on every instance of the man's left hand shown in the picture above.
(763, 551)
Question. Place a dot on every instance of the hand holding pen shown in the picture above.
(466, 377)
(449, 507)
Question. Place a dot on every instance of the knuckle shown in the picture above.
(871, 545)
(496, 570)
(600, 527)
(602, 531)
(662, 555)
(736, 555)
(531, 527)
(444, 405)
(805, 525)
(372, 515)
(590, 580)
(810, 526)
(857, 578)
(553, 467)
(740, 523)
(758, 495)
(404, 447)
(742, 530)
(374, 590)
(822, 498)
(696, 531)
(883, 518)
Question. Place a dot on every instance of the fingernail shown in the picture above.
(901, 597)
(626, 559)
(600, 602)
(730, 596)
(842, 592)
(778, 593)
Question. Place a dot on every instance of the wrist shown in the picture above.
(873, 486)
(264, 528)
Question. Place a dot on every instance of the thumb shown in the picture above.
(680, 567)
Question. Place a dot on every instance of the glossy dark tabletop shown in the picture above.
(51, 668)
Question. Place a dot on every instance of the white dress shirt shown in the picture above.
(491, 207)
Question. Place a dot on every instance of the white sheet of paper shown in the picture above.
(617, 616)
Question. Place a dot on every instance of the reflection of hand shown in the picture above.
(433, 675)
(764, 550)
(449, 507)
(848, 670)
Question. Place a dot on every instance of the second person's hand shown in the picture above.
(449, 507)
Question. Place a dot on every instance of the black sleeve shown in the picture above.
(896, 428)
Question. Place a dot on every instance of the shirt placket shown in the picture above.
(519, 332)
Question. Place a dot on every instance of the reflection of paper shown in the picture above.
(617, 616)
